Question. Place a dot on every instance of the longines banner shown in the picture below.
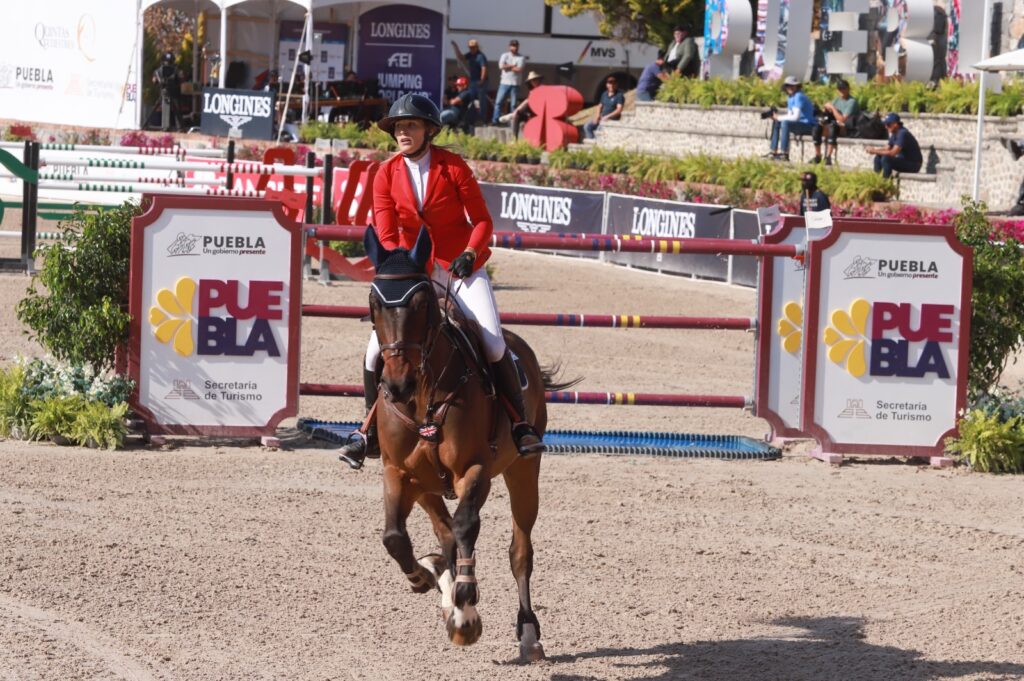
(885, 333)
(545, 210)
(70, 62)
(215, 296)
(248, 114)
(658, 219)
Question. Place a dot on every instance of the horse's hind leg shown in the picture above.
(399, 498)
(521, 480)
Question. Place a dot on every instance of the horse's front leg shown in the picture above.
(399, 497)
(464, 625)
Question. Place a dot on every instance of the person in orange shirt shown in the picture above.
(427, 186)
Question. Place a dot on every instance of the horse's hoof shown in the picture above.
(422, 580)
(530, 649)
(464, 626)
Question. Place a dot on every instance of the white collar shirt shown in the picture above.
(419, 174)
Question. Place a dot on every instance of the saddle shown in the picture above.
(465, 334)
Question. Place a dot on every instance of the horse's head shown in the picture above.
(404, 311)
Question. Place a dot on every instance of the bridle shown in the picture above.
(398, 348)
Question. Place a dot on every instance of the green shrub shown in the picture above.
(98, 425)
(84, 318)
(948, 96)
(997, 299)
(15, 409)
(55, 416)
(989, 443)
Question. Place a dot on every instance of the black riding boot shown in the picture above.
(506, 377)
(363, 445)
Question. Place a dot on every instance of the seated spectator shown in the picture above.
(682, 55)
(456, 114)
(611, 107)
(799, 119)
(651, 79)
(523, 112)
(903, 154)
(841, 114)
(811, 198)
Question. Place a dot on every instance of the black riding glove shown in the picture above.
(462, 266)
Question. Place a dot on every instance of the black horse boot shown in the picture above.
(506, 378)
(363, 445)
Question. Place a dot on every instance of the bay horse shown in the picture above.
(442, 433)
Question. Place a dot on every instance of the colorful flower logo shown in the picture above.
(846, 337)
(171, 317)
(790, 327)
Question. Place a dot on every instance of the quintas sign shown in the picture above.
(886, 338)
(215, 304)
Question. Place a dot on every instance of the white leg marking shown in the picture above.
(463, 616)
(446, 582)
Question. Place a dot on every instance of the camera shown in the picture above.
(768, 114)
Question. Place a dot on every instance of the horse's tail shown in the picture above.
(551, 379)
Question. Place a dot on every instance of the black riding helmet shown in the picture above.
(410, 106)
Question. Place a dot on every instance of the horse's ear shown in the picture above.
(375, 251)
(420, 253)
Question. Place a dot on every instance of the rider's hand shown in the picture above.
(462, 266)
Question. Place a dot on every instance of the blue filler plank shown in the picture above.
(627, 443)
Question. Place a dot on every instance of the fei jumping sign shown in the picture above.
(215, 305)
(888, 311)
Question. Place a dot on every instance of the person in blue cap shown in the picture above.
(903, 153)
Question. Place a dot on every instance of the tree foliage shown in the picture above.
(84, 318)
(997, 300)
(639, 20)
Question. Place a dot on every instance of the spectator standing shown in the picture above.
(903, 153)
(476, 66)
(611, 107)
(511, 66)
(682, 56)
(650, 79)
(844, 111)
(799, 119)
(168, 77)
(811, 198)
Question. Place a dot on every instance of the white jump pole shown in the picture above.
(167, 164)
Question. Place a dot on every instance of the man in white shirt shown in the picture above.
(511, 66)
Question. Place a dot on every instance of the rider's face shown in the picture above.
(409, 134)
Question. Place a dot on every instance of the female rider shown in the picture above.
(426, 185)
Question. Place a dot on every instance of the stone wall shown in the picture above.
(947, 142)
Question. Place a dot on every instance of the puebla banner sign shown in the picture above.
(400, 46)
(248, 114)
(215, 305)
(659, 219)
(885, 349)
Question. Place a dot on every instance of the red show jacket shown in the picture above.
(452, 194)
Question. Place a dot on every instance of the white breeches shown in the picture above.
(476, 300)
